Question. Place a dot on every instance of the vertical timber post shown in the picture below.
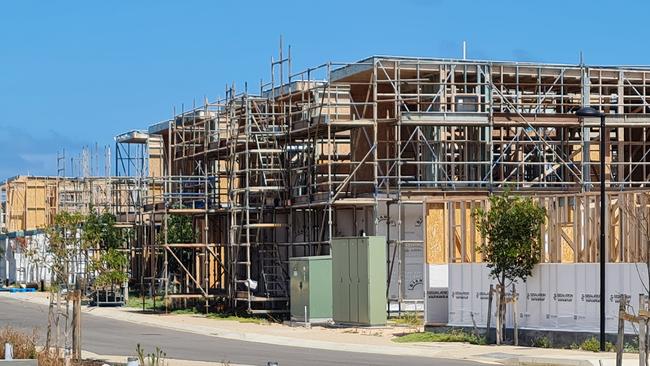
(642, 332)
(644, 325)
(76, 323)
(489, 313)
(621, 330)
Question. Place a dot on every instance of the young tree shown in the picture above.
(180, 230)
(99, 231)
(110, 268)
(636, 208)
(65, 251)
(512, 229)
(80, 247)
(66, 248)
(108, 264)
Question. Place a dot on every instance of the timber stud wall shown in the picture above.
(30, 202)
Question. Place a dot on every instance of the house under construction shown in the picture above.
(394, 146)
(28, 206)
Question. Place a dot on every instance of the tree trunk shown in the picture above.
(57, 316)
(501, 311)
(501, 314)
(489, 312)
(50, 322)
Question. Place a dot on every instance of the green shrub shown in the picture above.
(610, 347)
(542, 342)
(592, 344)
(408, 319)
(631, 347)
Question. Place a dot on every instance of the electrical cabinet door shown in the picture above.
(354, 280)
(362, 265)
(340, 281)
(359, 280)
(299, 285)
(320, 289)
(377, 281)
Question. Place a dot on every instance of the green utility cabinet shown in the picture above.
(359, 280)
(311, 287)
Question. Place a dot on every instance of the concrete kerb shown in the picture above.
(555, 361)
(19, 362)
(545, 361)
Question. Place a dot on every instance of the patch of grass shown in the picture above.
(136, 302)
(408, 319)
(592, 344)
(452, 336)
(237, 318)
(189, 311)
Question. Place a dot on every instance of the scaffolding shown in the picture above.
(136, 185)
(389, 146)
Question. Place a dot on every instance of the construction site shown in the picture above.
(399, 147)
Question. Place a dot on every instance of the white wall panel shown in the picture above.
(437, 303)
(555, 297)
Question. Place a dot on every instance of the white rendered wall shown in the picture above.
(4, 260)
(19, 266)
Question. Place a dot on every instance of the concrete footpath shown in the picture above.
(375, 340)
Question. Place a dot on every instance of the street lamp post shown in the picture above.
(591, 112)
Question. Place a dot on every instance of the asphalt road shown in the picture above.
(112, 337)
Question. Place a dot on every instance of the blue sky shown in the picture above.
(75, 73)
